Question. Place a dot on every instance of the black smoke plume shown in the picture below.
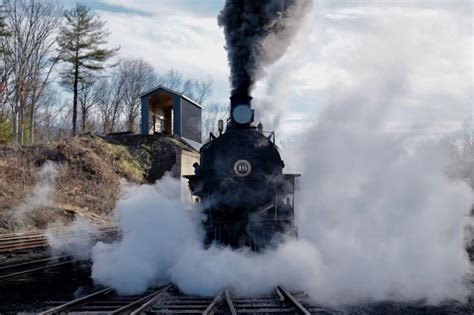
(257, 34)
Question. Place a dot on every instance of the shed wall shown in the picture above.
(191, 118)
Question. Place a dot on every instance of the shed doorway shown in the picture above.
(161, 114)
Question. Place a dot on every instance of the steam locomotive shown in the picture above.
(246, 199)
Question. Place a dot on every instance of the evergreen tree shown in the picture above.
(81, 41)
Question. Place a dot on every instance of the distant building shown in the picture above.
(169, 112)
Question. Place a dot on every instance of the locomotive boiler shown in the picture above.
(245, 197)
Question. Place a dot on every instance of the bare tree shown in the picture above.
(138, 76)
(464, 162)
(116, 92)
(196, 89)
(87, 98)
(4, 33)
(47, 115)
(211, 115)
(187, 88)
(62, 126)
(109, 96)
(102, 91)
(28, 50)
(172, 79)
(202, 90)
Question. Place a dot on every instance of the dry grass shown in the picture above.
(89, 172)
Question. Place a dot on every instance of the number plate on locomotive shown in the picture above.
(242, 168)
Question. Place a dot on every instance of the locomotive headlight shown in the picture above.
(242, 114)
(242, 168)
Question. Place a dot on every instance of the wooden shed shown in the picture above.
(166, 111)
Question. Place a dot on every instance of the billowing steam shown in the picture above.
(257, 34)
(398, 241)
(162, 241)
(79, 245)
(156, 231)
(41, 196)
(386, 220)
(377, 216)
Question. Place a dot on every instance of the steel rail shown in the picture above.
(229, 302)
(21, 238)
(165, 299)
(76, 302)
(280, 295)
(35, 242)
(152, 300)
(58, 237)
(44, 242)
(19, 242)
(33, 262)
(41, 232)
(11, 249)
(28, 233)
(19, 273)
(61, 235)
(291, 299)
(137, 302)
(215, 302)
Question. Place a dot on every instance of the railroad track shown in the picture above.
(20, 269)
(169, 300)
(39, 239)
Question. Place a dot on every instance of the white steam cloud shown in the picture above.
(162, 242)
(386, 220)
(77, 239)
(347, 252)
(41, 196)
(377, 216)
(156, 229)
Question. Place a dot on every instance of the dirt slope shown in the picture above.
(78, 177)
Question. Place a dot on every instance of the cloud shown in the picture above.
(169, 36)
(434, 38)
(208, 9)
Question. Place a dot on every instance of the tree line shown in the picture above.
(59, 77)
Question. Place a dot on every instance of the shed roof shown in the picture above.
(164, 88)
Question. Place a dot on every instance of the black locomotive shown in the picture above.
(246, 198)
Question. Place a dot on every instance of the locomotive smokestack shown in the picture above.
(241, 111)
(239, 99)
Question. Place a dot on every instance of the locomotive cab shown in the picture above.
(245, 197)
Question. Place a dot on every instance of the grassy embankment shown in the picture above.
(78, 177)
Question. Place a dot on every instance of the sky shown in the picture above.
(427, 46)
